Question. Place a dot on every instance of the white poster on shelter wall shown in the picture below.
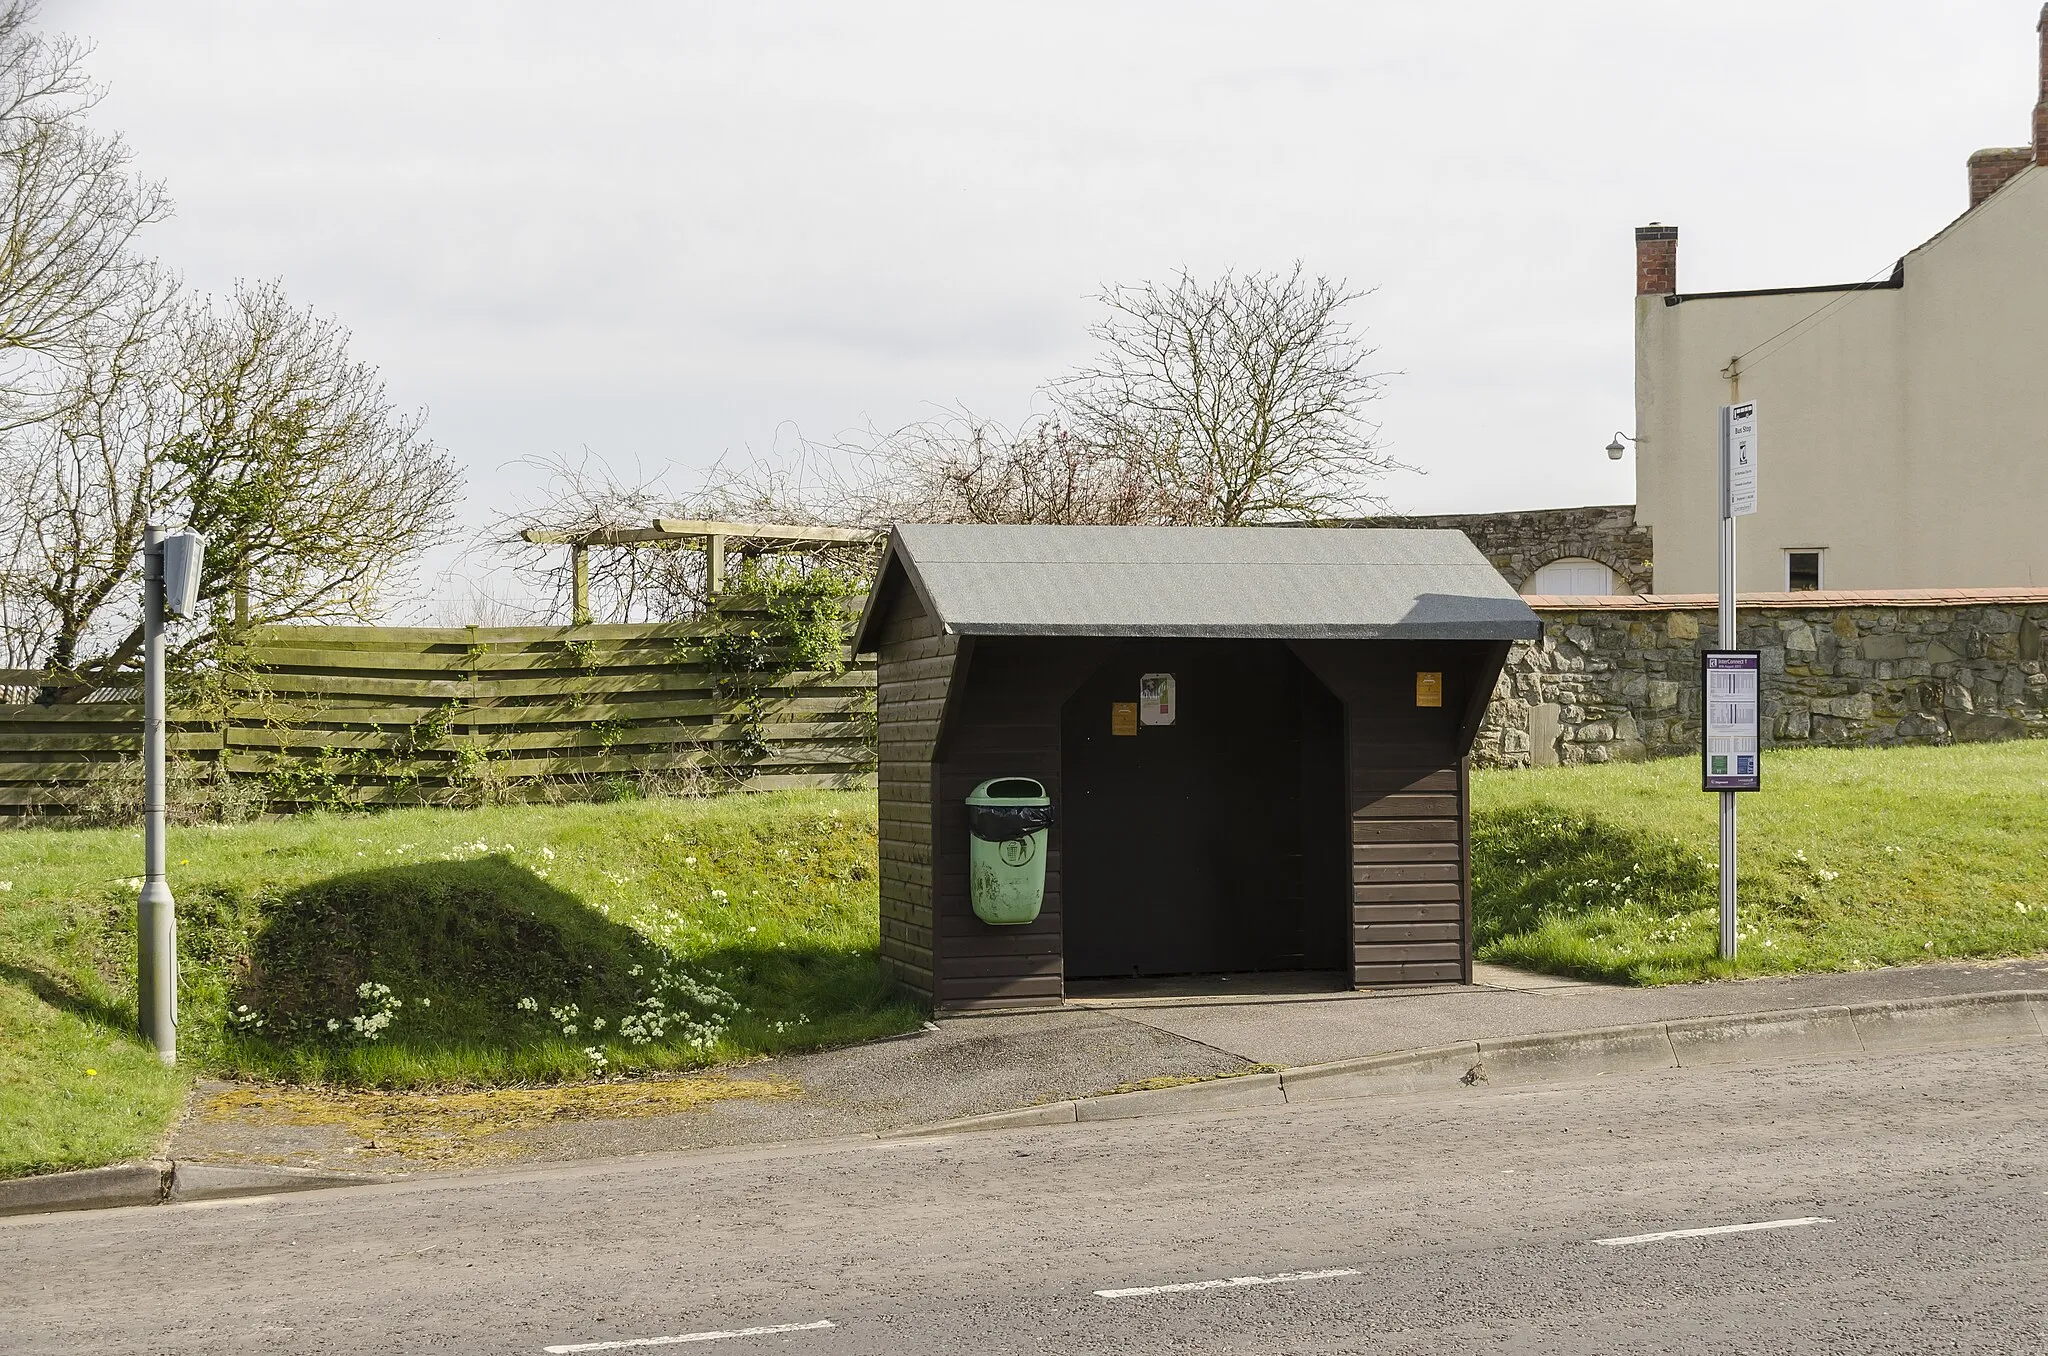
(1155, 699)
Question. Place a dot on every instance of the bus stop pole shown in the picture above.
(1727, 642)
(156, 921)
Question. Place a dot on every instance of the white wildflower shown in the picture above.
(528, 1005)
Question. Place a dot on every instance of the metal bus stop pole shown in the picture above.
(1728, 938)
(156, 930)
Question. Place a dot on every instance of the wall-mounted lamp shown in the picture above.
(1615, 448)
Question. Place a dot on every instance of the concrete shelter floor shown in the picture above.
(971, 1064)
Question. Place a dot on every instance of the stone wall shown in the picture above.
(1621, 679)
(1519, 544)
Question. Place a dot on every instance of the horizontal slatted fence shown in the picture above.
(331, 715)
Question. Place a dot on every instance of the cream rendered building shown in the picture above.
(1903, 423)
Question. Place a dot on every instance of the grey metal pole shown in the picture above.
(1728, 915)
(156, 920)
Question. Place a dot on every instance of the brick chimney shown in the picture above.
(1989, 169)
(1656, 260)
(2041, 106)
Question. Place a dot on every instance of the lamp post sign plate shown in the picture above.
(1729, 733)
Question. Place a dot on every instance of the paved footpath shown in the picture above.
(969, 1066)
(1290, 1031)
(1904, 1194)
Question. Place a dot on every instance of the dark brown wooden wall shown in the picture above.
(955, 713)
(1005, 722)
(1409, 802)
(914, 674)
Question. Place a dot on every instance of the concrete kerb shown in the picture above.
(1567, 1056)
(91, 1189)
(158, 1183)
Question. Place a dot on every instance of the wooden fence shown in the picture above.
(342, 716)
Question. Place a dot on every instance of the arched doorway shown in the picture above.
(1572, 576)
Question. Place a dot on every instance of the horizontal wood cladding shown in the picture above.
(1375, 973)
(913, 672)
(1405, 805)
(1446, 850)
(956, 713)
(1004, 720)
(1409, 801)
(1047, 989)
(1393, 934)
(1410, 911)
(1406, 873)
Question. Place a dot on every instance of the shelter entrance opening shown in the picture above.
(1213, 842)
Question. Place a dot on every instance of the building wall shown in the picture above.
(1902, 429)
(1622, 681)
(1520, 543)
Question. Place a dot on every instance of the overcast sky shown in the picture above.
(666, 231)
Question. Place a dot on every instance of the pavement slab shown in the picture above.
(1513, 1003)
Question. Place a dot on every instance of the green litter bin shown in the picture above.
(1007, 819)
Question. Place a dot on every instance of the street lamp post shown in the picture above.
(170, 585)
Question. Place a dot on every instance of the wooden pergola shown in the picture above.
(719, 538)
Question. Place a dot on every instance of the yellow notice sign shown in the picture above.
(1123, 718)
(1429, 689)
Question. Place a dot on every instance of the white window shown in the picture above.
(1572, 576)
(1803, 568)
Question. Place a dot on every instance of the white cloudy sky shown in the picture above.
(666, 231)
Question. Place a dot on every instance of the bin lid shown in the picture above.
(1009, 791)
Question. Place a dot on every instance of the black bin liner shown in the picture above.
(1002, 823)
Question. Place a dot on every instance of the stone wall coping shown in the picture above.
(1809, 598)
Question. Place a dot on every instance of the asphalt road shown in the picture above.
(1447, 1223)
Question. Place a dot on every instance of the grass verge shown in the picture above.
(1850, 859)
(435, 949)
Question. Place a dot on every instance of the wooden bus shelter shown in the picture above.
(1293, 797)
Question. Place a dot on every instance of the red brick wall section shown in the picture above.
(1989, 169)
(1656, 260)
(2041, 107)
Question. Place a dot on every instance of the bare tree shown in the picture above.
(250, 422)
(1241, 400)
(961, 468)
(69, 212)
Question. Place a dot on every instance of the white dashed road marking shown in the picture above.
(690, 1337)
(1717, 1229)
(1226, 1284)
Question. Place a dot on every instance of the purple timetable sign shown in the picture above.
(1729, 732)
